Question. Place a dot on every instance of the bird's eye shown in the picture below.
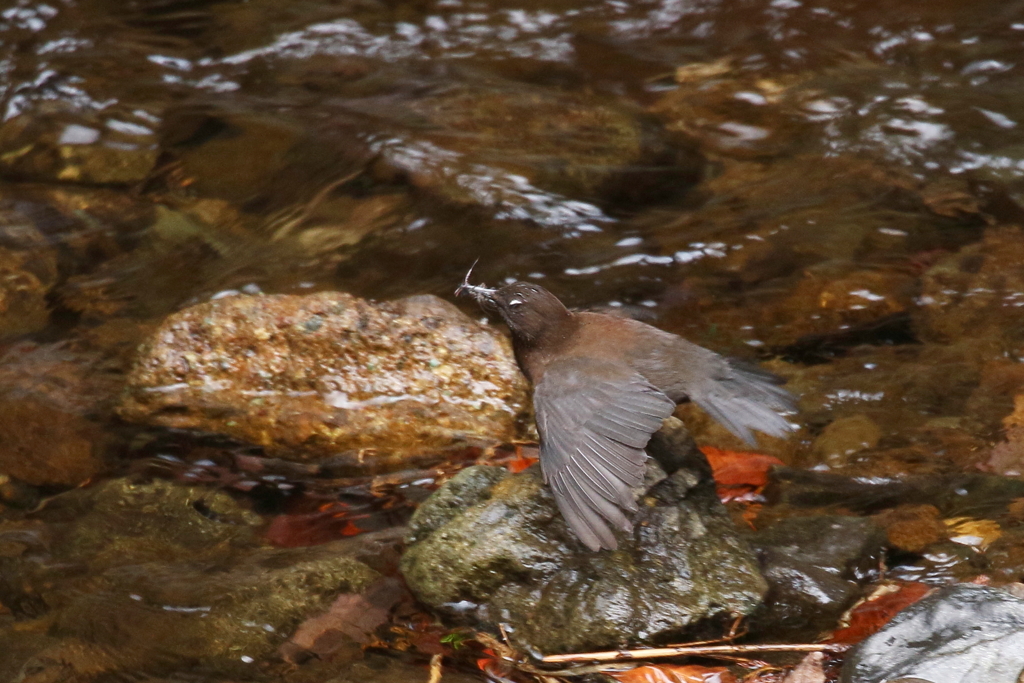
(515, 302)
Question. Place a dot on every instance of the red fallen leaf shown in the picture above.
(494, 666)
(351, 529)
(524, 457)
(327, 524)
(352, 617)
(739, 474)
(870, 616)
(519, 464)
(674, 673)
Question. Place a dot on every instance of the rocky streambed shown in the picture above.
(246, 436)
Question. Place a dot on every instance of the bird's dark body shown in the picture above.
(603, 385)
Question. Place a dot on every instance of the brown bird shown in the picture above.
(603, 385)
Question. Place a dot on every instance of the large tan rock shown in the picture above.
(311, 376)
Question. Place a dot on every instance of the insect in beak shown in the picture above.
(482, 294)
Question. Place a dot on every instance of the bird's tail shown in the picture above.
(743, 397)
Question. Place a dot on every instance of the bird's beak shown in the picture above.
(483, 295)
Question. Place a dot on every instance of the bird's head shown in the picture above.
(529, 310)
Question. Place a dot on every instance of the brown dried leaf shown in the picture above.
(810, 670)
(1008, 456)
(351, 618)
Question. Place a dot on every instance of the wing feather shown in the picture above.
(595, 418)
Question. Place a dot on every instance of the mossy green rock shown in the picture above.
(228, 616)
(154, 576)
(122, 521)
(496, 541)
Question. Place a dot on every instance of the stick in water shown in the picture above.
(706, 650)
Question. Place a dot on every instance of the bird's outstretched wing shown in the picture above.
(595, 417)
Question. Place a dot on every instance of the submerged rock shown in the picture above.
(495, 543)
(877, 397)
(844, 437)
(28, 270)
(122, 522)
(976, 292)
(578, 145)
(814, 567)
(913, 528)
(251, 157)
(46, 446)
(66, 378)
(154, 577)
(49, 145)
(229, 617)
(960, 633)
(309, 376)
(161, 617)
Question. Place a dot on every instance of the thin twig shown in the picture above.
(692, 651)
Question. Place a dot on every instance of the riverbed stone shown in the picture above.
(959, 633)
(976, 292)
(46, 446)
(814, 566)
(158, 617)
(28, 270)
(844, 437)
(731, 112)
(123, 521)
(66, 377)
(311, 376)
(52, 145)
(251, 157)
(229, 617)
(150, 576)
(576, 144)
(504, 552)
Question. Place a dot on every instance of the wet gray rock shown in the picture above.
(849, 547)
(814, 567)
(959, 634)
(494, 543)
(310, 376)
